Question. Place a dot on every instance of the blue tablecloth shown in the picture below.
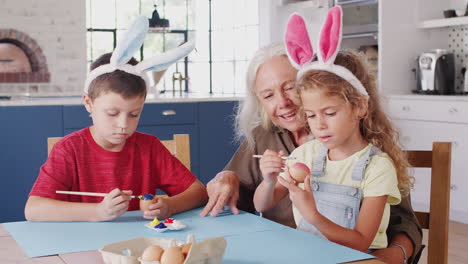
(250, 239)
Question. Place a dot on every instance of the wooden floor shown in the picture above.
(458, 241)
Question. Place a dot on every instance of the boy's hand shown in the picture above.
(271, 165)
(113, 205)
(159, 209)
(303, 199)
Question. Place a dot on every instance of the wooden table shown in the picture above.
(11, 252)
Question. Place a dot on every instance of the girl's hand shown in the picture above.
(303, 199)
(159, 209)
(271, 165)
(113, 205)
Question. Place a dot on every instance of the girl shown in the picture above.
(357, 169)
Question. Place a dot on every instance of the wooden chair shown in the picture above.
(437, 219)
(179, 146)
(51, 142)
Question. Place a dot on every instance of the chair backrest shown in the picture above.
(51, 142)
(179, 146)
(437, 219)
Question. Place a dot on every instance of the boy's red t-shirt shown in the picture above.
(77, 163)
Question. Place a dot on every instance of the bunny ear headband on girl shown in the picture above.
(128, 45)
(300, 52)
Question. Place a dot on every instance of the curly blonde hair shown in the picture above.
(375, 126)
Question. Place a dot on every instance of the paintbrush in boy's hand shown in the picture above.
(91, 194)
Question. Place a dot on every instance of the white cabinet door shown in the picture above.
(429, 110)
(419, 135)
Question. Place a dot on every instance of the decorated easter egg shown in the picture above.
(299, 171)
(172, 255)
(146, 200)
(152, 253)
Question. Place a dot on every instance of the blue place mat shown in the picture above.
(287, 246)
(43, 239)
(250, 239)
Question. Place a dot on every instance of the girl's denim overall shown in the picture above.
(339, 203)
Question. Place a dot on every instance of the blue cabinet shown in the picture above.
(216, 139)
(24, 140)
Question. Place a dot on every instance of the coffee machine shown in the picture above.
(436, 73)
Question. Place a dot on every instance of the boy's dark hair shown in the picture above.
(120, 82)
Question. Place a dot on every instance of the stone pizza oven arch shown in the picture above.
(39, 69)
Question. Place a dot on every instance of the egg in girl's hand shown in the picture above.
(172, 255)
(146, 200)
(152, 253)
(299, 171)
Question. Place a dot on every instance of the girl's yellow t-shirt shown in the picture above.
(380, 178)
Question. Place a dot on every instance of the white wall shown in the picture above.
(59, 28)
(458, 4)
(274, 15)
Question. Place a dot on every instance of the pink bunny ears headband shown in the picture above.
(128, 45)
(300, 52)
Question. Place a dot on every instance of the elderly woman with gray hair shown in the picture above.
(268, 119)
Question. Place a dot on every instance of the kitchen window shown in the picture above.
(225, 31)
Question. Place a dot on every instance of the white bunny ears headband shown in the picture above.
(128, 45)
(300, 52)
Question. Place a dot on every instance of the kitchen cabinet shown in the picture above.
(23, 150)
(423, 120)
(217, 143)
(24, 144)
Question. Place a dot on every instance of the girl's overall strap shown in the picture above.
(361, 165)
(319, 163)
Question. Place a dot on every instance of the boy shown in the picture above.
(110, 156)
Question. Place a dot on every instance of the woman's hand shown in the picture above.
(113, 205)
(271, 165)
(160, 209)
(394, 254)
(222, 190)
(390, 255)
(303, 199)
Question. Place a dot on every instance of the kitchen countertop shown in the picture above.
(426, 97)
(76, 99)
(153, 98)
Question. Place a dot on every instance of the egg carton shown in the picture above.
(208, 251)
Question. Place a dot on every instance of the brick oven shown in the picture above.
(21, 59)
(52, 35)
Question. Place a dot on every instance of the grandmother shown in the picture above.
(268, 118)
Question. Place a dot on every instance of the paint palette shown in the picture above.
(165, 225)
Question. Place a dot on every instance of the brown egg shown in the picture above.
(152, 253)
(172, 255)
(144, 204)
(299, 171)
(186, 249)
